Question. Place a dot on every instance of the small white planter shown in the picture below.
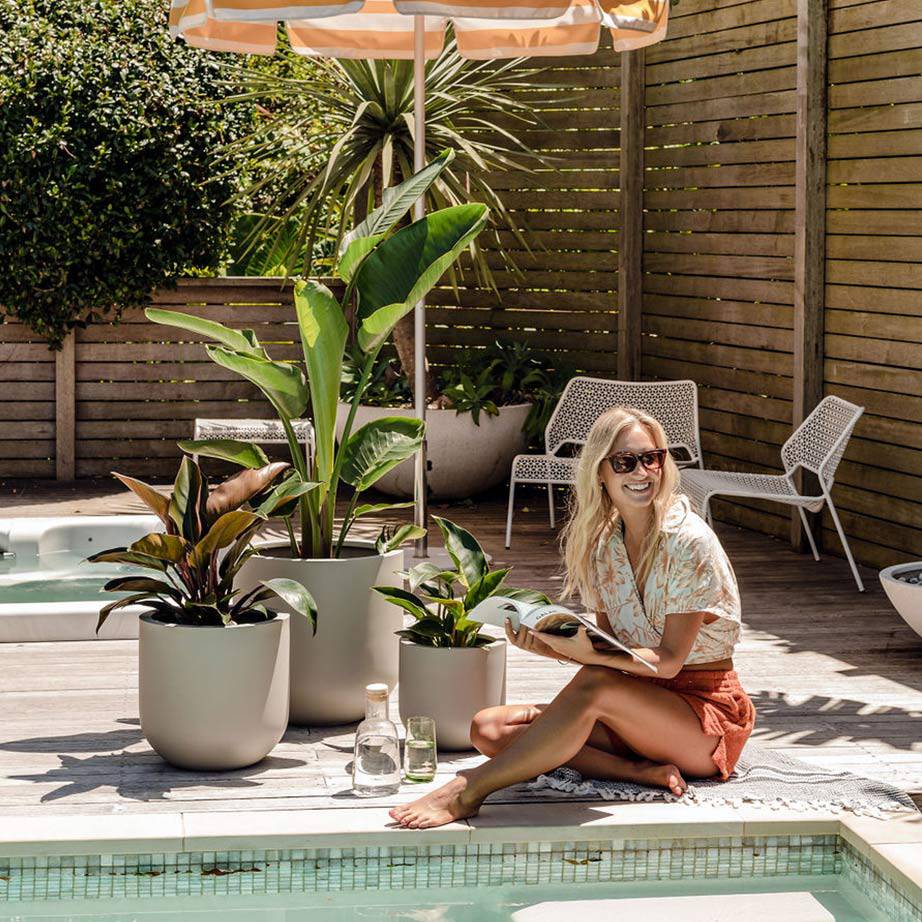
(450, 685)
(355, 643)
(905, 597)
(213, 698)
(466, 459)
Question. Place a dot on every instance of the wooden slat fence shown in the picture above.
(718, 185)
(718, 262)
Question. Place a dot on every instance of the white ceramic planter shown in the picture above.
(355, 642)
(905, 597)
(466, 459)
(213, 698)
(451, 684)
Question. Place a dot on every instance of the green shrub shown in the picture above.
(108, 133)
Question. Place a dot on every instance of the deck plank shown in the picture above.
(835, 676)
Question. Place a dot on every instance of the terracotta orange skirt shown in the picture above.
(724, 709)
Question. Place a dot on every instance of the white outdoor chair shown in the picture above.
(583, 401)
(816, 445)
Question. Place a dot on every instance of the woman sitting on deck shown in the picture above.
(658, 574)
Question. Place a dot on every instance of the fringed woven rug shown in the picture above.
(762, 776)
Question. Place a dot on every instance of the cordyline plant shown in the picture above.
(385, 268)
(440, 599)
(195, 585)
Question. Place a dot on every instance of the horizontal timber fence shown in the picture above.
(739, 205)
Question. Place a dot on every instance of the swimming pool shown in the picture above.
(47, 592)
(795, 878)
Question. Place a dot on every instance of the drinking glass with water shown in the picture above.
(419, 755)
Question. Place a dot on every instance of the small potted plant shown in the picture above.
(449, 670)
(213, 661)
(493, 403)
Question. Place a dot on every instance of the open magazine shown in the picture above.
(550, 619)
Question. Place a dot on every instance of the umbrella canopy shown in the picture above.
(381, 29)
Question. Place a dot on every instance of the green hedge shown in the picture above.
(108, 134)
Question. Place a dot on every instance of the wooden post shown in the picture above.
(809, 220)
(630, 252)
(65, 381)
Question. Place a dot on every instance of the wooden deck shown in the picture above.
(836, 677)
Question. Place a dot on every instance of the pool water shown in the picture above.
(79, 583)
(820, 898)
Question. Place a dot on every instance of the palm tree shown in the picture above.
(330, 135)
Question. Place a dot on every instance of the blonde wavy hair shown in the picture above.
(593, 516)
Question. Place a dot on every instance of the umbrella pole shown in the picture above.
(421, 508)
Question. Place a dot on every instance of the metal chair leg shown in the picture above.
(550, 501)
(844, 540)
(509, 512)
(806, 524)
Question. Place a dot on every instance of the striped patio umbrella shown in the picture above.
(415, 29)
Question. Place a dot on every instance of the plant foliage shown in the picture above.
(108, 132)
(439, 600)
(207, 539)
(386, 266)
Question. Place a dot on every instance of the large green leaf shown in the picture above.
(240, 488)
(377, 447)
(396, 201)
(407, 265)
(403, 533)
(282, 500)
(246, 454)
(486, 586)
(156, 502)
(293, 594)
(408, 601)
(323, 336)
(527, 595)
(236, 340)
(464, 550)
(369, 508)
(164, 547)
(375, 329)
(282, 383)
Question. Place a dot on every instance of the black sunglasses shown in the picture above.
(623, 462)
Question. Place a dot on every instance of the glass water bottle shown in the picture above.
(376, 766)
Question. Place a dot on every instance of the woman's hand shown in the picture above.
(528, 640)
(577, 649)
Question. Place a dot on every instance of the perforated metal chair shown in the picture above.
(816, 445)
(583, 401)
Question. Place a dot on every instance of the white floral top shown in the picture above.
(690, 573)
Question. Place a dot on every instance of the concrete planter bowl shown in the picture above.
(213, 698)
(355, 643)
(466, 459)
(903, 585)
(450, 685)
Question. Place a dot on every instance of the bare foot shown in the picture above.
(442, 806)
(659, 775)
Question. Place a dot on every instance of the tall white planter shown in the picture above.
(355, 643)
(214, 698)
(466, 459)
(451, 684)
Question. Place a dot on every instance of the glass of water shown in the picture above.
(419, 754)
